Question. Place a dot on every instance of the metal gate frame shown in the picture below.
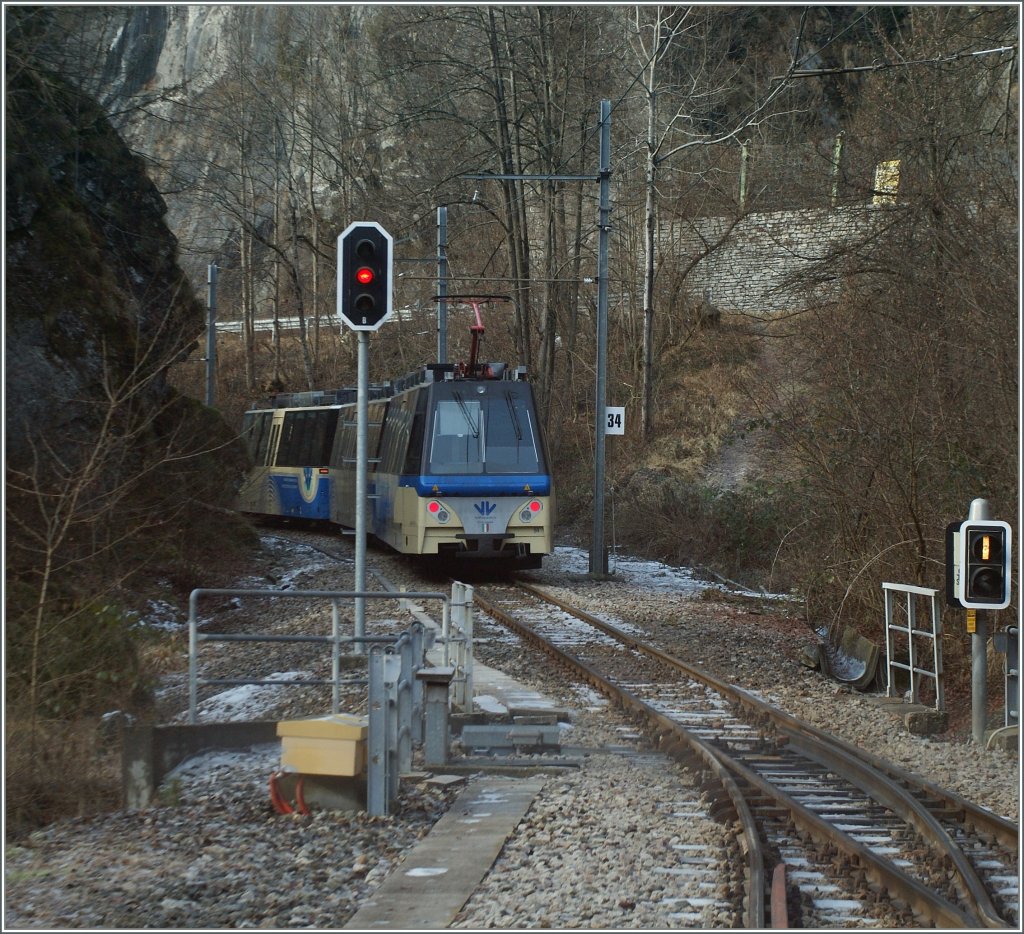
(911, 630)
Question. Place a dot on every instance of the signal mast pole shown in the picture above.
(598, 551)
(442, 284)
(362, 413)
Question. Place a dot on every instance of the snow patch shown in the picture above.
(246, 701)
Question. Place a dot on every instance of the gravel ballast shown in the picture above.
(592, 852)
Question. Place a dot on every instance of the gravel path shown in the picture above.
(591, 853)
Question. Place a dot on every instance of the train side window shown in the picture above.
(330, 426)
(345, 440)
(396, 415)
(307, 438)
(341, 435)
(313, 439)
(289, 436)
(377, 414)
(417, 429)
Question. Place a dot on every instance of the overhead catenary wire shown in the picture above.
(880, 66)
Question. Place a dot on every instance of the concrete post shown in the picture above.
(436, 682)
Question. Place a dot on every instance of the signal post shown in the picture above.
(978, 553)
(365, 263)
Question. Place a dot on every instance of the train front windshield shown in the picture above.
(482, 428)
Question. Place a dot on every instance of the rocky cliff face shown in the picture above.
(95, 297)
(157, 49)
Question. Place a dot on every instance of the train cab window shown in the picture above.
(484, 428)
(256, 434)
(511, 439)
(457, 442)
(250, 424)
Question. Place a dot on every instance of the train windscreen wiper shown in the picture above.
(464, 409)
(515, 416)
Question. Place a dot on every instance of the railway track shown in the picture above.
(826, 829)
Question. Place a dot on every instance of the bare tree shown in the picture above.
(663, 37)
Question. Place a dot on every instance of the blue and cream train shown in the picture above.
(457, 466)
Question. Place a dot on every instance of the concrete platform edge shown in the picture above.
(439, 875)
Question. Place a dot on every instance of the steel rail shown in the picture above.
(676, 740)
(850, 761)
(822, 748)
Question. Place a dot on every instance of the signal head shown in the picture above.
(984, 561)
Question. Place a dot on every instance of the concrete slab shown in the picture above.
(919, 719)
(512, 736)
(429, 887)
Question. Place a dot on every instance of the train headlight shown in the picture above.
(438, 511)
(530, 510)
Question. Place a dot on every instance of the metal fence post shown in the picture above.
(454, 636)
(446, 627)
(890, 680)
(467, 630)
(335, 658)
(936, 613)
(1011, 684)
(404, 705)
(416, 631)
(377, 739)
(392, 674)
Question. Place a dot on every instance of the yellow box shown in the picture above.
(332, 745)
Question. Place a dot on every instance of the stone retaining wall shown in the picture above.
(749, 271)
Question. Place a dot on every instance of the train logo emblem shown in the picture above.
(308, 484)
(484, 508)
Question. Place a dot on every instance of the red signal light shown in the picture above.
(364, 275)
(433, 507)
(535, 506)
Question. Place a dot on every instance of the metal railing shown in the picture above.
(911, 631)
(456, 639)
(394, 693)
(335, 639)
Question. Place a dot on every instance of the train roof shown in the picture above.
(430, 373)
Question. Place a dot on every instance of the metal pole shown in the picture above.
(598, 552)
(335, 658)
(211, 334)
(978, 512)
(442, 284)
(377, 737)
(362, 400)
(979, 677)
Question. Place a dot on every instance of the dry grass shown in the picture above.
(68, 768)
